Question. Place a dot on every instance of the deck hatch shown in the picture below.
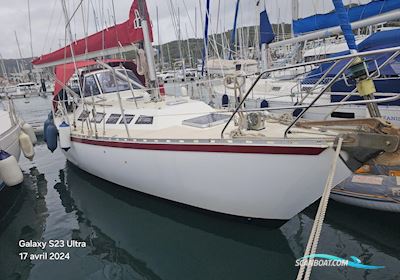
(113, 119)
(209, 120)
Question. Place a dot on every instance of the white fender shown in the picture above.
(10, 172)
(184, 91)
(26, 145)
(28, 129)
(64, 132)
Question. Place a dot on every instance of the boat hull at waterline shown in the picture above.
(259, 182)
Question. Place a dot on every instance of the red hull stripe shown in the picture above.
(214, 148)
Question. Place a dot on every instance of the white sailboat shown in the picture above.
(173, 149)
(185, 151)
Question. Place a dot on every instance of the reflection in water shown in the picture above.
(135, 236)
(349, 231)
(24, 220)
(140, 237)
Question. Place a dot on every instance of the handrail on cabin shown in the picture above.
(326, 60)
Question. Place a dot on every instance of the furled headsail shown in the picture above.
(266, 33)
(344, 23)
(106, 42)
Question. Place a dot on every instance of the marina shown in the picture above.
(144, 237)
(254, 146)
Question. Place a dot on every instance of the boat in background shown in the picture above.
(372, 187)
(10, 173)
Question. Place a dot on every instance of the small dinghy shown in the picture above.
(378, 192)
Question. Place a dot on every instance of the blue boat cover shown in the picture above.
(379, 40)
(323, 21)
(266, 33)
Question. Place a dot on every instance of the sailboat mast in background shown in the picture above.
(295, 13)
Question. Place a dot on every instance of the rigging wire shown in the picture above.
(45, 42)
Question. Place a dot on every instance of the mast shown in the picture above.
(30, 27)
(161, 54)
(295, 13)
(188, 46)
(30, 37)
(205, 48)
(234, 29)
(3, 67)
(20, 69)
(148, 48)
(180, 44)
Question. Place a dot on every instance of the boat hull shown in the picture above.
(272, 184)
(363, 202)
(9, 141)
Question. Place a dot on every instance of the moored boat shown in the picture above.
(174, 149)
(10, 174)
(372, 191)
(183, 150)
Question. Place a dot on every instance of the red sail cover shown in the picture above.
(123, 34)
(64, 72)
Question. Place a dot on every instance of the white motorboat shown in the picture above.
(23, 90)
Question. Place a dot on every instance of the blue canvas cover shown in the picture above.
(345, 25)
(266, 33)
(323, 21)
(379, 40)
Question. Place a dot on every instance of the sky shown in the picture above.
(47, 19)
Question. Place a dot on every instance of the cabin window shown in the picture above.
(209, 120)
(91, 87)
(98, 118)
(144, 120)
(113, 119)
(128, 119)
(84, 115)
(110, 83)
(131, 76)
(276, 88)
